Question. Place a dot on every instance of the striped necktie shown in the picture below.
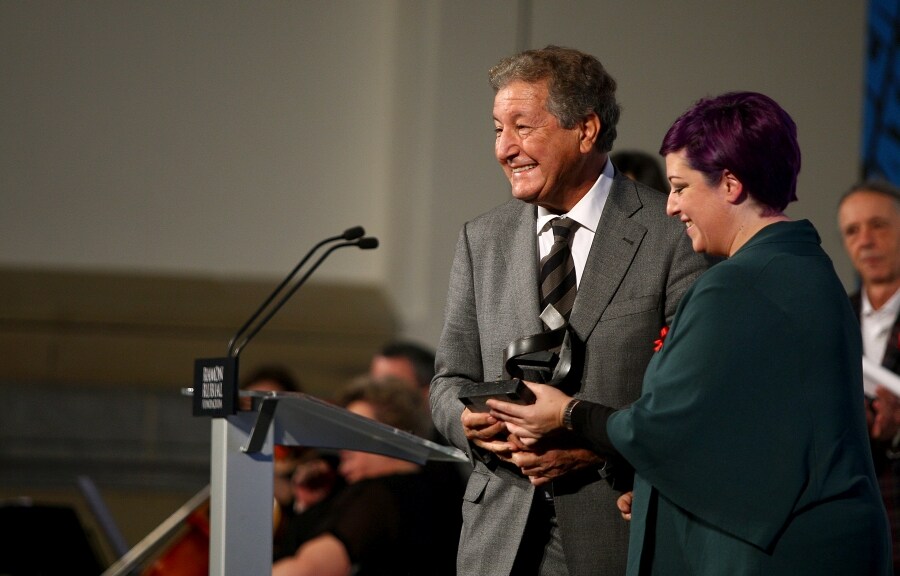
(558, 269)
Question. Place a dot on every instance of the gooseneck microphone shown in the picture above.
(216, 379)
(348, 234)
(351, 237)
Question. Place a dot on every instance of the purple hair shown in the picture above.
(749, 134)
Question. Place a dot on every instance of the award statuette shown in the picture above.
(545, 357)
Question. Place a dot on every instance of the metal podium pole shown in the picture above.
(241, 499)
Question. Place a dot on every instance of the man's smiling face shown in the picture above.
(542, 160)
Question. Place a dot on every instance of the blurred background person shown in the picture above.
(277, 378)
(408, 361)
(414, 363)
(271, 378)
(389, 519)
(268, 378)
(641, 167)
(869, 221)
(314, 485)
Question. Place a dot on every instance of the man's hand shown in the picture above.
(884, 417)
(543, 464)
(488, 433)
(531, 422)
(540, 462)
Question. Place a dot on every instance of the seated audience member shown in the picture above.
(641, 167)
(275, 378)
(407, 361)
(411, 363)
(389, 519)
(414, 363)
(271, 378)
(314, 485)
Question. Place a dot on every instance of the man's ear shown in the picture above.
(589, 131)
(734, 189)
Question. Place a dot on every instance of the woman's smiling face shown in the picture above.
(699, 205)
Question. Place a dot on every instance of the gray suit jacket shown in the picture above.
(639, 266)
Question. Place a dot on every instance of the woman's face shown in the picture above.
(701, 207)
(356, 466)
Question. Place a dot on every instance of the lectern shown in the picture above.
(241, 475)
(241, 481)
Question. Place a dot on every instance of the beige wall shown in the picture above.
(225, 138)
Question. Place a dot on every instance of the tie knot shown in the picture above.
(562, 228)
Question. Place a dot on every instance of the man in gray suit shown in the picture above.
(551, 509)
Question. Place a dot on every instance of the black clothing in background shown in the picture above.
(396, 525)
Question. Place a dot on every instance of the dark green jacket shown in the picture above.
(749, 441)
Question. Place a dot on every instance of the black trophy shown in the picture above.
(545, 357)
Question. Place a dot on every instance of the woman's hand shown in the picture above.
(533, 421)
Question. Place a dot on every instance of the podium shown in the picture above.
(242, 468)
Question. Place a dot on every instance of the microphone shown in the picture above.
(366, 243)
(349, 234)
(215, 379)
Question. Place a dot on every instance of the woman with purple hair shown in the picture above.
(749, 442)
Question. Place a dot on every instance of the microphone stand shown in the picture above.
(349, 234)
(215, 379)
(235, 349)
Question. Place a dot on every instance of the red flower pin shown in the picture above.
(658, 343)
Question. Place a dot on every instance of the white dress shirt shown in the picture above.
(587, 213)
(876, 326)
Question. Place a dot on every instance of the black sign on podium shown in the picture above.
(215, 386)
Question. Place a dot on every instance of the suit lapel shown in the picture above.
(891, 359)
(615, 243)
(522, 261)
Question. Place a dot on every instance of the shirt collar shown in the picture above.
(891, 308)
(588, 210)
